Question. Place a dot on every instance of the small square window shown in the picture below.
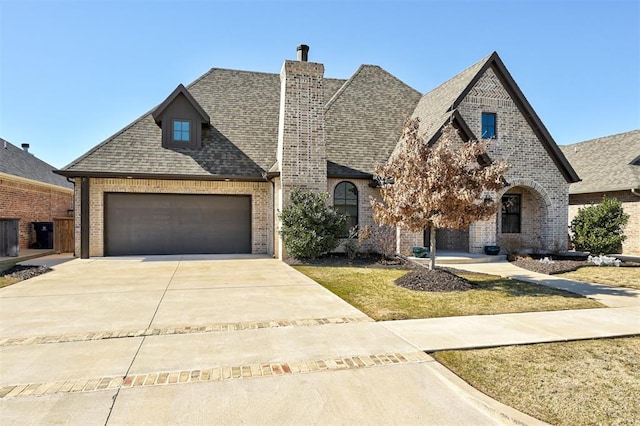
(181, 131)
(489, 130)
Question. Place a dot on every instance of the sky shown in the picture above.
(73, 73)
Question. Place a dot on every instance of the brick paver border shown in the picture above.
(186, 329)
(213, 374)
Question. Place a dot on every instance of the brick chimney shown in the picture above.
(302, 156)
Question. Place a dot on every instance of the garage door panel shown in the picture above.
(176, 224)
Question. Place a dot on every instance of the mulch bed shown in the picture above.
(436, 280)
(557, 267)
(365, 260)
(24, 272)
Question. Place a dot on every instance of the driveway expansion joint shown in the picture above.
(214, 374)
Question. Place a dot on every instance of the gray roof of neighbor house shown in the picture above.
(17, 162)
(611, 163)
(366, 111)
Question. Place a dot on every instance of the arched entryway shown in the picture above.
(524, 223)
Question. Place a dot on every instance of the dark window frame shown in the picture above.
(341, 205)
(511, 214)
(489, 130)
(173, 131)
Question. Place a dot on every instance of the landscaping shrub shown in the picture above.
(356, 238)
(310, 228)
(600, 228)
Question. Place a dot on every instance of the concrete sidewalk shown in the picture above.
(608, 295)
(480, 331)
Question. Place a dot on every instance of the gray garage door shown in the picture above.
(176, 224)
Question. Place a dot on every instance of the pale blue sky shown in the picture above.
(72, 73)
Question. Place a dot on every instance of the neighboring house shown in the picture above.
(209, 169)
(608, 166)
(30, 191)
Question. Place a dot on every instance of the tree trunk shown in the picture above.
(432, 247)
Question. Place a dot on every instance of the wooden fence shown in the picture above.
(63, 235)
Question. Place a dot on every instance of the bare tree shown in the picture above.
(435, 186)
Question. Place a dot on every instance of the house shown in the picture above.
(30, 191)
(609, 166)
(208, 170)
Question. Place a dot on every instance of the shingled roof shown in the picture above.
(17, 162)
(368, 110)
(437, 106)
(363, 122)
(611, 163)
(364, 119)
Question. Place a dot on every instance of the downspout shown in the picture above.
(73, 181)
(635, 192)
(84, 218)
(265, 176)
(273, 216)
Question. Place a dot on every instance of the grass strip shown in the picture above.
(569, 383)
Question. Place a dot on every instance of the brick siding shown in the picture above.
(630, 205)
(261, 205)
(532, 170)
(31, 201)
(301, 155)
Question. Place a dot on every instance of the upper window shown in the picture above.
(345, 201)
(489, 130)
(181, 131)
(511, 213)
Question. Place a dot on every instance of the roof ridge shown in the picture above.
(343, 88)
(449, 80)
(602, 137)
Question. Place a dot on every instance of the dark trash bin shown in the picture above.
(44, 235)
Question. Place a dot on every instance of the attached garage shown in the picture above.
(142, 224)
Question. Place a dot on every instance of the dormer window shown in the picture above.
(181, 131)
(181, 119)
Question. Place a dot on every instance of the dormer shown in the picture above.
(181, 119)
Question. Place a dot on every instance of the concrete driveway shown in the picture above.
(212, 339)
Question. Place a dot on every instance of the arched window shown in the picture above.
(345, 201)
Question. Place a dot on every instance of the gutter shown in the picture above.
(120, 175)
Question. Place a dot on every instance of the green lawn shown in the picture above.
(373, 291)
(609, 275)
(594, 382)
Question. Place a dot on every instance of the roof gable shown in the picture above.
(179, 91)
(17, 162)
(605, 164)
(437, 106)
(364, 119)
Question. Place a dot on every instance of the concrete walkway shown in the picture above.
(607, 295)
(213, 339)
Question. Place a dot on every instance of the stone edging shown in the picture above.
(214, 374)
